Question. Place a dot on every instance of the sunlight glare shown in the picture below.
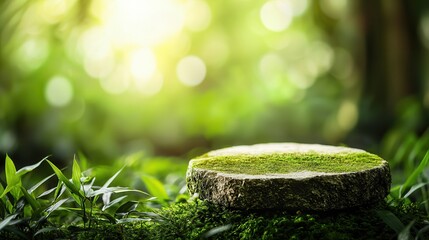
(143, 63)
(144, 23)
(151, 86)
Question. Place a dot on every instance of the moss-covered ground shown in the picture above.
(289, 162)
(196, 219)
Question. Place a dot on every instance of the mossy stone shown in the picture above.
(289, 176)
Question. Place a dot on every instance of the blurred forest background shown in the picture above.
(179, 77)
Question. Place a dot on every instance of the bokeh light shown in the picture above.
(175, 75)
(276, 15)
(191, 70)
(59, 91)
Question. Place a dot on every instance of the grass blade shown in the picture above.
(405, 233)
(155, 187)
(415, 188)
(416, 173)
(391, 220)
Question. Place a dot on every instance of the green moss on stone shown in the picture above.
(282, 163)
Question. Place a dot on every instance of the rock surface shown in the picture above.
(231, 177)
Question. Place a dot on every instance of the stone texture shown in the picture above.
(304, 190)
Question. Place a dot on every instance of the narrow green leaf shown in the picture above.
(12, 179)
(70, 186)
(155, 187)
(76, 174)
(45, 230)
(217, 230)
(83, 160)
(405, 233)
(391, 220)
(127, 207)
(130, 220)
(35, 205)
(59, 190)
(10, 170)
(47, 192)
(30, 168)
(54, 207)
(416, 173)
(112, 203)
(7, 221)
(422, 231)
(404, 148)
(415, 188)
(106, 198)
(112, 190)
(108, 182)
(109, 217)
(37, 185)
(7, 190)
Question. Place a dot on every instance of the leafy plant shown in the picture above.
(25, 214)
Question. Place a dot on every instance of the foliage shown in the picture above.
(77, 208)
(26, 214)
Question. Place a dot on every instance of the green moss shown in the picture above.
(196, 219)
(289, 162)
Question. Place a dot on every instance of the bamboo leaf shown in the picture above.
(76, 174)
(12, 179)
(127, 207)
(70, 186)
(35, 205)
(7, 221)
(7, 190)
(37, 185)
(47, 192)
(112, 203)
(155, 187)
(130, 220)
(45, 230)
(54, 207)
(10, 171)
(30, 168)
(108, 182)
(113, 190)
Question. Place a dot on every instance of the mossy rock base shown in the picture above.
(289, 176)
